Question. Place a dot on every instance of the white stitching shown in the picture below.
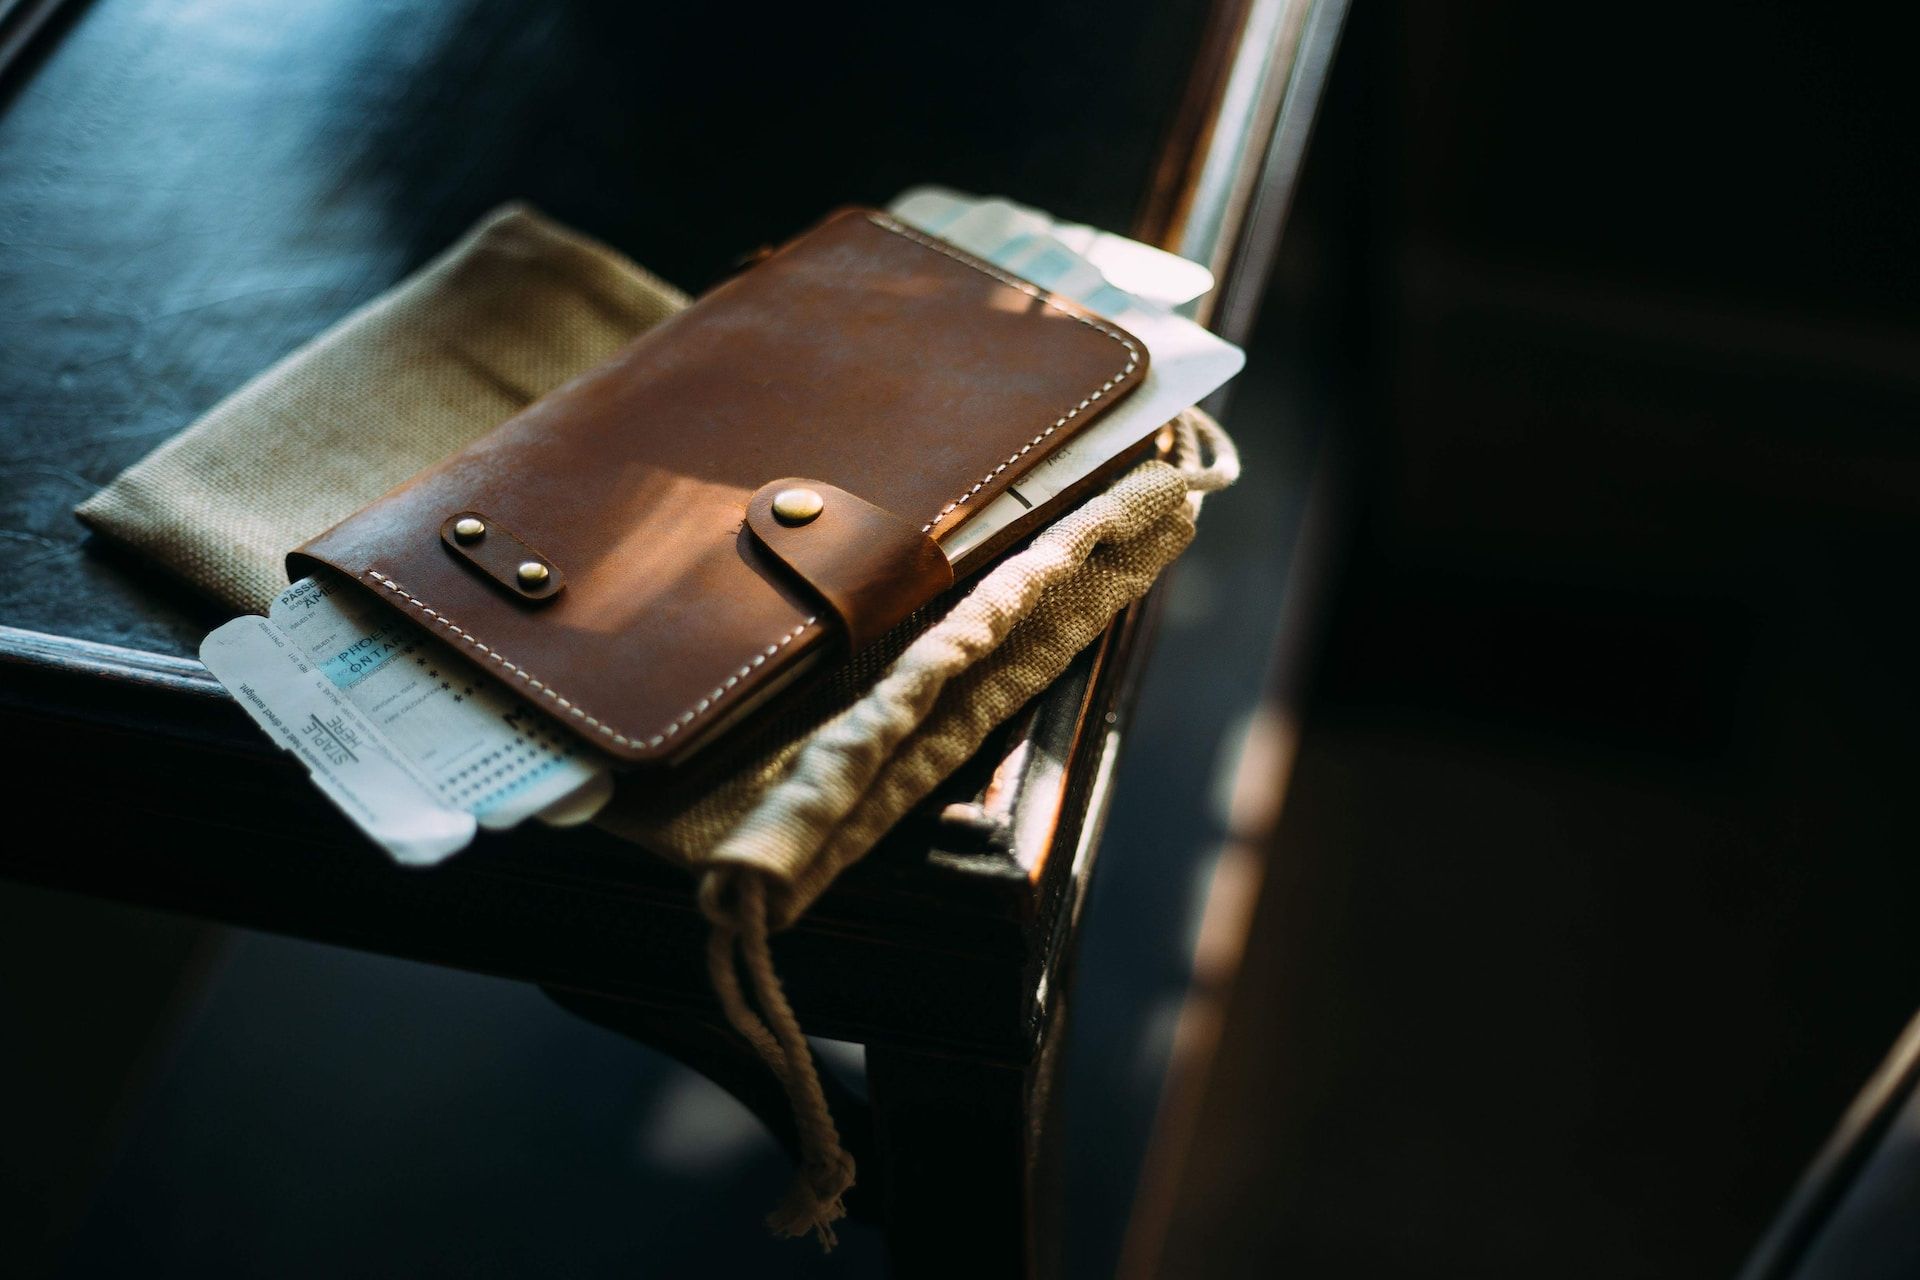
(759, 659)
(572, 708)
(1032, 291)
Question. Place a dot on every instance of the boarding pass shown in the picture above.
(410, 740)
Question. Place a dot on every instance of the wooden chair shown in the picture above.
(199, 207)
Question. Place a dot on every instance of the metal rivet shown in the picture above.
(533, 574)
(797, 506)
(468, 529)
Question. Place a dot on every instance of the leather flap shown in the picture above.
(492, 548)
(871, 567)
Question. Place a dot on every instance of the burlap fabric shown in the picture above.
(808, 793)
(506, 315)
(512, 311)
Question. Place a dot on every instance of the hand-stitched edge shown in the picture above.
(568, 705)
(759, 659)
(1033, 291)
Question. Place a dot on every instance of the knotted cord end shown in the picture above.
(734, 900)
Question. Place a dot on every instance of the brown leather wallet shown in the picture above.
(656, 546)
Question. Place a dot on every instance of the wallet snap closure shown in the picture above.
(495, 551)
(872, 567)
(797, 505)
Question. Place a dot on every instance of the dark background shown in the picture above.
(1592, 902)
(1594, 349)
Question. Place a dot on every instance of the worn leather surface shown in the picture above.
(861, 353)
(868, 565)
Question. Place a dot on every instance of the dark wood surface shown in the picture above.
(186, 196)
(201, 821)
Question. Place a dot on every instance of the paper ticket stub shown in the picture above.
(488, 752)
(1188, 363)
(467, 746)
(351, 762)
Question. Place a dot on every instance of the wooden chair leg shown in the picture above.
(951, 1149)
(966, 1178)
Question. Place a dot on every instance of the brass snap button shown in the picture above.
(468, 529)
(797, 506)
(533, 574)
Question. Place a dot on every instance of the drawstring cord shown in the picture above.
(735, 901)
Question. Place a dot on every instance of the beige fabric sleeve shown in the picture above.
(510, 312)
